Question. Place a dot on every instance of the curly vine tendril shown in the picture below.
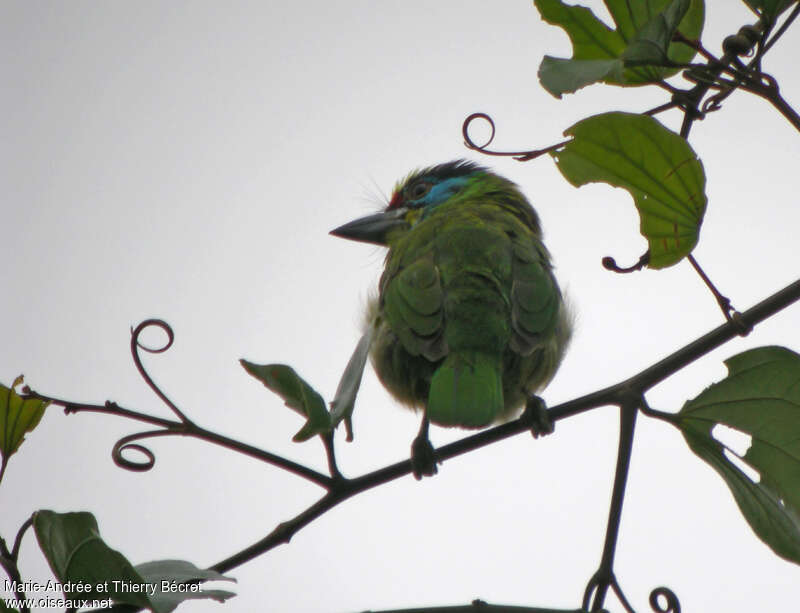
(670, 601)
(609, 263)
(126, 443)
(136, 345)
(522, 156)
(465, 132)
(662, 599)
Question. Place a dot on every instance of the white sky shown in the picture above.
(186, 160)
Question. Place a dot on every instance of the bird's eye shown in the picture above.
(419, 190)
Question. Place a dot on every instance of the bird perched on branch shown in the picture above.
(469, 321)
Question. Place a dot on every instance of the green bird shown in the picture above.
(469, 321)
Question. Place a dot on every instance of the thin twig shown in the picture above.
(723, 301)
(20, 533)
(604, 577)
(175, 428)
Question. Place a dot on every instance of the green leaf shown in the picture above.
(17, 416)
(652, 42)
(78, 557)
(177, 581)
(760, 397)
(560, 76)
(297, 394)
(639, 51)
(657, 167)
(347, 390)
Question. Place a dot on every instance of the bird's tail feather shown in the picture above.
(466, 390)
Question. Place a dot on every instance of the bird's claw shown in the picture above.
(538, 417)
(423, 457)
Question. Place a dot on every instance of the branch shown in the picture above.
(620, 394)
(628, 395)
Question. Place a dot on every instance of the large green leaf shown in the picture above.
(80, 559)
(657, 167)
(760, 397)
(638, 52)
(17, 416)
(297, 394)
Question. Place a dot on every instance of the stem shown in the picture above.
(696, 45)
(20, 533)
(661, 108)
(330, 453)
(604, 577)
(723, 301)
(260, 454)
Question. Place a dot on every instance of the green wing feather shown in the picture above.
(535, 297)
(413, 305)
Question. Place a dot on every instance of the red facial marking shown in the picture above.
(395, 201)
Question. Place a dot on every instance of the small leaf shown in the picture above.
(652, 42)
(17, 416)
(560, 76)
(78, 556)
(657, 167)
(601, 54)
(345, 398)
(178, 580)
(297, 394)
(760, 397)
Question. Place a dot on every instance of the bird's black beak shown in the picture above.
(373, 228)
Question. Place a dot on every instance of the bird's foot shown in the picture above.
(423, 457)
(538, 417)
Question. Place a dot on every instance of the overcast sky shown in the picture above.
(186, 160)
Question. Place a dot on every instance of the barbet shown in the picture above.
(469, 321)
